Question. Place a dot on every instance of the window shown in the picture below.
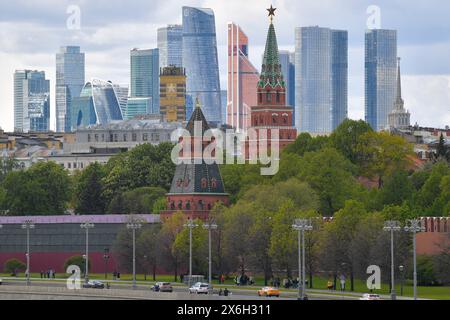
(200, 204)
(204, 183)
(188, 205)
(111, 138)
(89, 137)
(278, 96)
(213, 183)
(96, 137)
(116, 137)
(260, 97)
(124, 137)
(145, 137)
(69, 165)
(103, 137)
(134, 137)
(180, 205)
(268, 96)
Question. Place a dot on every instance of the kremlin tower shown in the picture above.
(271, 111)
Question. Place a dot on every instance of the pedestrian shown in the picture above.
(114, 275)
(225, 292)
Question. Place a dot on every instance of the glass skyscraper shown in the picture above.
(201, 63)
(31, 101)
(170, 45)
(70, 79)
(288, 69)
(98, 104)
(145, 76)
(380, 76)
(321, 79)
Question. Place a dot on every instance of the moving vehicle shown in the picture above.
(268, 292)
(95, 284)
(1, 281)
(199, 288)
(162, 287)
(370, 296)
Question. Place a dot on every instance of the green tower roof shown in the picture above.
(271, 68)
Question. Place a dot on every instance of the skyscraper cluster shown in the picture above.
(315, 77)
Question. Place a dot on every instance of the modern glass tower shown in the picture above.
(145, 76)
(286, 67)
(98, 104)
(380, 76)
(243, 79)
(201, 63)
(321, 79)
(70, 79)
(170, 45)
(31, 101)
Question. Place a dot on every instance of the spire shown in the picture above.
(271, 67)
(399, 101)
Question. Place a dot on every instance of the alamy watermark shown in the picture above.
(73, 22)
(374, 19)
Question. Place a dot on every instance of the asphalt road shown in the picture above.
(180, 292)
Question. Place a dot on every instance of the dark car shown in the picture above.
(162, 287)
(94, 284)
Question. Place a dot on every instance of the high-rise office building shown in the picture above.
(97, 104)
(170, 45)
(224, 104)
(122, 96)
(380, 76)
(287, 67)
(243, 79)
(201, 62)
(70, 80)
(138, 107)
(173, 93)
(321, 79)
(145, 76)
(31, 101)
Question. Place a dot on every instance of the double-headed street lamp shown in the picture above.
(392, 226)
(414, 226)
(209, 226)
(301, 225)
(28, 225)
(87, 225)
(134, 226)
(191, 225)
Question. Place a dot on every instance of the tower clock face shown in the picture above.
(171, 88)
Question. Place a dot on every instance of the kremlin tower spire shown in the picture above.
(271, 112)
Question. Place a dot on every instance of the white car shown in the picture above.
(1, 280)
(199, 288)
(370, 296)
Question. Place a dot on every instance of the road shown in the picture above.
(42, 289)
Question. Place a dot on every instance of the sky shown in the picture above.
(31, 32)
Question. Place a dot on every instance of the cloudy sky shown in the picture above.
(31, 31)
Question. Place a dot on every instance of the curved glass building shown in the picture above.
(201, 63)
(98, 104)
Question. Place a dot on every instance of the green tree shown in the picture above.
(397, 189)
(77, 261)
(431, 190)
(43, 189)
(14, 266)
(381, 154)
(89, 190)
(330, 175)
(146, 165)
(347, 136)
(305, 143)
(199, 248)
(136, 201)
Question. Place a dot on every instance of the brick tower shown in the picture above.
(271, 111)
(196, 185)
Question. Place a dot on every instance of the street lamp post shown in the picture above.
(106, 258)
(191, 225)
(87, 225)
(301, 225)
(401, 268)
(392, 226)
(28, 224)
(209, 227)
(134, 226)
(414, 226)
